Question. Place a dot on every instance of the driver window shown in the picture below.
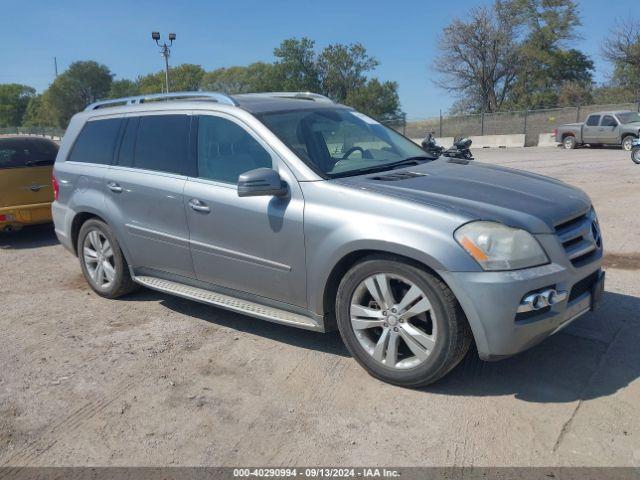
(226, 150)
(609, 121)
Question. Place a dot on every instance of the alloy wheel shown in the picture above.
(393, 320)
(627, 143)
(99, 259)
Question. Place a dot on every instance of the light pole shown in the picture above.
(165, 51)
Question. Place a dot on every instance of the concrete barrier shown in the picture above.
(547, 140)
(498, 141)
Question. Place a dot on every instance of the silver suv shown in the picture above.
(294, 209)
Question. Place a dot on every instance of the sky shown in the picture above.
(401, 34)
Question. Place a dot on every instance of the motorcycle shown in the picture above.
(635, 151)
(460, 149)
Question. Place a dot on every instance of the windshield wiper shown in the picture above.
(387, 166)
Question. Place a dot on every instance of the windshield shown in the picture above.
(341, 142)
(629, 117)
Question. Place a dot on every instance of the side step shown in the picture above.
(246, 307)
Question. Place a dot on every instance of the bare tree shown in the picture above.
(478, 59)
(622, 49)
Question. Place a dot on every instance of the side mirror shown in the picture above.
(261, 182)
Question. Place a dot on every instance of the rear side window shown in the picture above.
(226, 150)
(16, 153)
(593, 120)
(162, 143)
(96, 142)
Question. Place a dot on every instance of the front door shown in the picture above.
(609, 130)
(251, 244)
(144, 192)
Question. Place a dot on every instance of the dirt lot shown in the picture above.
(156, 380)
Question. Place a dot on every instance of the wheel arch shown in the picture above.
(350, 259)
(80, 218)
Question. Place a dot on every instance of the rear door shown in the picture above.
(25, 171)
(609, 130)
(144, 191)
(591, 129)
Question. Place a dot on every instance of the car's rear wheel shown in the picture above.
(402, 324)
(569, 142)
(102, 261)
(627, 143)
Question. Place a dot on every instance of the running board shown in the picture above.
(228, 302)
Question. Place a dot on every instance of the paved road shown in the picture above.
(156, 380)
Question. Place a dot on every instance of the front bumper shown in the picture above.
(16, 217)
(490, 301)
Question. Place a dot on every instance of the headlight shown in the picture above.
(498, 247)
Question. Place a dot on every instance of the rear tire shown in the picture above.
(569, 142)
(102, 262)
(410, 334)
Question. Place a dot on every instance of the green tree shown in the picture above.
(257, 77)
(82, 83)
(123, 88)
(342, 69)
(545, 62)
(183, 78)
(296, 65)
(38, 113)
(377, 99)
(14, 99)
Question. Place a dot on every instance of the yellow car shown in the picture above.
(26, 192)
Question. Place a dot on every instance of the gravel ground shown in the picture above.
(155, 380)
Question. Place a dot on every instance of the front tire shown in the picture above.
(402, 324)
(102, 262)
(627, 143)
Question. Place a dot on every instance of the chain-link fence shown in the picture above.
(530, 122)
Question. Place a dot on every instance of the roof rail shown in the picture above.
(316, 97)
(116, 102)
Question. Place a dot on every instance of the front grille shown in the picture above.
(583, 286)
(580, 238)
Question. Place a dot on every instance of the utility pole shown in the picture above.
(165, 51)
(55, 66)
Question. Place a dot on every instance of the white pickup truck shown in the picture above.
(601, 128)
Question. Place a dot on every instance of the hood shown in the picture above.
(481, 191)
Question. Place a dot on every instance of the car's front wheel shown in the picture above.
(402, 324)
(627, 143)
(102, 261)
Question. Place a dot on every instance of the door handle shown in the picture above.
(199, 206)
(114, 187)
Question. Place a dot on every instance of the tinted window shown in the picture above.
(161, 143)
(96, 142)
(16, 152)
(125, 156)
(609, 121)
(593, 120)
(226, 150)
